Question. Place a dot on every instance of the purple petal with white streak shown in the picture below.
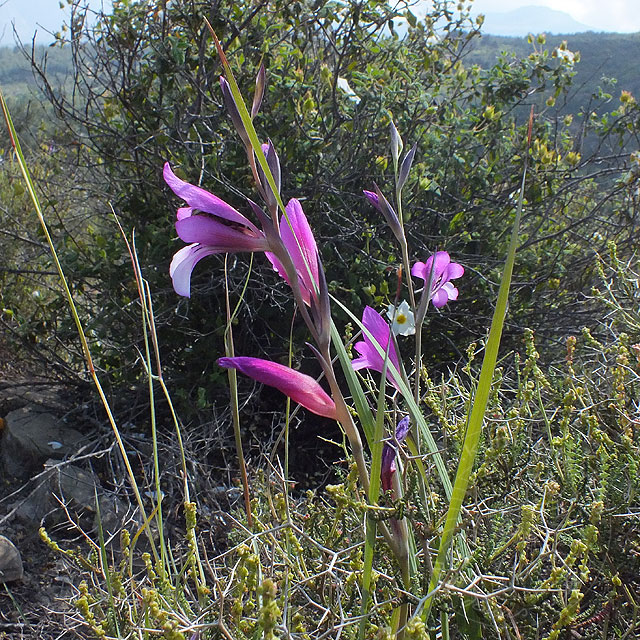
(182, 266)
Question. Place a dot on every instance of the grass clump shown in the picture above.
(551, 522)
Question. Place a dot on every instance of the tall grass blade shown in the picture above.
(22, 163)
(481, 398)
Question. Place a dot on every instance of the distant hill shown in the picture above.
(16, 75)
(525, 20)
(603, 56)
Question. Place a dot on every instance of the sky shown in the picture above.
(622, 16)
(31, 15)
(602, 15)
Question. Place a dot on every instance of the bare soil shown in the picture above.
(39, 605)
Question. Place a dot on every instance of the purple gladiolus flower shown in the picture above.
(223, 230)
(370, 357)
(442, 290)
(301, 245)
(389, 454)
(301, 388)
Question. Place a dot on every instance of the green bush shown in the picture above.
(146, 91)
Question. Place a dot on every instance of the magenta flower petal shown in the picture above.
(454, 270)
(423, 270)
(182, 265)
(218, 229)
(184, 212)
(299, 241)
(208, 236)
(443, 272)
(370, 357)
(201, 199)
(221, 237)
(439, 298)
(298, 238)
(277, 266)
(301, 388)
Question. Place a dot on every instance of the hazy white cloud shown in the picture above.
(612, 15)
(28, 16)
(609, 15)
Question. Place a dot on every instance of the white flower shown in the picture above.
(566, 55)
(343, 84)
(403, 322)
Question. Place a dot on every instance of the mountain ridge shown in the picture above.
(532, 19)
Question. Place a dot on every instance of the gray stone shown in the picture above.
(76, 489)
(30, 437)
(20, 393)
(10, 561)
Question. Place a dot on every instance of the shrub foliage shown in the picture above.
(146, 90)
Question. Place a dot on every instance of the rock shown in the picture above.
(76, 489)
(10, 561)
(20, 393)
(30, 437)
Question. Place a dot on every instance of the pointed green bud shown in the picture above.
(396, 144)
(405, 167)
(261, 83)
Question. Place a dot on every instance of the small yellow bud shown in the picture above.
(381, 162)
(489, 112)
(627, 98)
(573, 158)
